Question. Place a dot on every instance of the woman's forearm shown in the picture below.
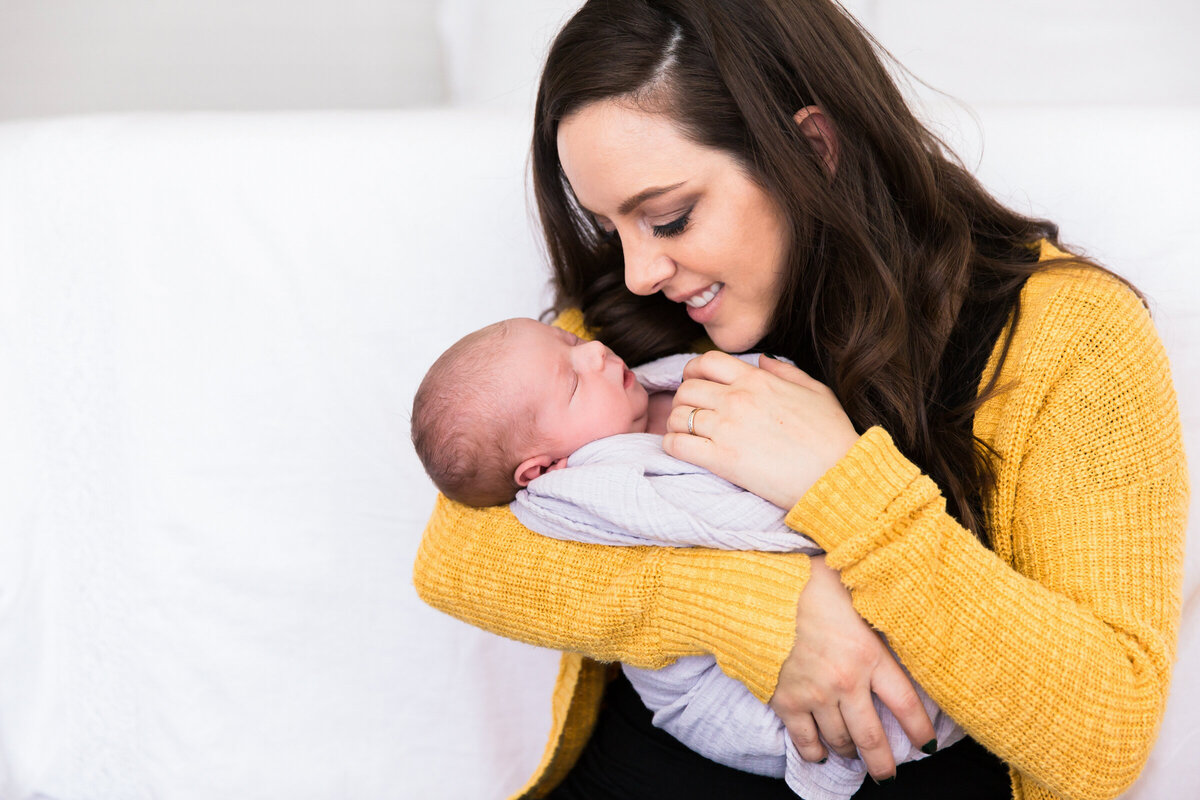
(642, 605)
(1054, 647)
(1061, 669)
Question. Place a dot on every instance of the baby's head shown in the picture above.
(511, 401)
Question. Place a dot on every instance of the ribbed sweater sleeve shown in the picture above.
(645, 606)
(1054, 648)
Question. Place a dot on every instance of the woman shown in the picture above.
(983, 436)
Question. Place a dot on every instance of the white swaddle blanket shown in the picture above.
(624, 490)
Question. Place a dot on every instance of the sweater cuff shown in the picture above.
(741, 607)
(850, 501)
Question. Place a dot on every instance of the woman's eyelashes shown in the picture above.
(674, 227)
(664, 231)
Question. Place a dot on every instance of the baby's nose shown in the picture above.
(597, 353)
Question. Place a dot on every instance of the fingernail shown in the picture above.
(930, 747)
(885, 781)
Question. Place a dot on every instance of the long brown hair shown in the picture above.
(902, 269)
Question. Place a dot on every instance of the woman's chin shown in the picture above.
(732, 341)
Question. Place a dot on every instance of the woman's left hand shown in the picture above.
(771, 429)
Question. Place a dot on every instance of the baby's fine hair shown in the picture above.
(467, 421)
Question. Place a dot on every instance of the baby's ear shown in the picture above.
(531, 468)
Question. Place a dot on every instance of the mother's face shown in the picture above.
(692, 224)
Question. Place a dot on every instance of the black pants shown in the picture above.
(628, 758)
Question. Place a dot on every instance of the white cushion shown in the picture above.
(211, 330)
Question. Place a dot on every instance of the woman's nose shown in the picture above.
(647, 267)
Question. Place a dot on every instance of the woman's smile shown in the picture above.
(704, 298)
(703, 306)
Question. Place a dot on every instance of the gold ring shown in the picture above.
(692, 422)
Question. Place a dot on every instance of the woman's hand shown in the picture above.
(773, 431)
(826, 683)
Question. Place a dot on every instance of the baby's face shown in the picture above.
(581, 391)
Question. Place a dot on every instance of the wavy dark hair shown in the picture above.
(902, 269)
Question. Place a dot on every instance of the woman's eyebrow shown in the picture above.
(646, 194)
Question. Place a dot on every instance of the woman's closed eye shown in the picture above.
(674, 227)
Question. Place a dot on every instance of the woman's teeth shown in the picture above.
(705, 297)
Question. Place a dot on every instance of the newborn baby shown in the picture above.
(512, 401)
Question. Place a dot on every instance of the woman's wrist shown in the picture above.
(848, 501)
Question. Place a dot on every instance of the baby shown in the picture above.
(504, 411)
(512, 401)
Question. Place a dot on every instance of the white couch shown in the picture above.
(211, 327)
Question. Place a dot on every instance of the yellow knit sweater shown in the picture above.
(1053, 649)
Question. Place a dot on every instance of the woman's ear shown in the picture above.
(536, 466)
(821, 134)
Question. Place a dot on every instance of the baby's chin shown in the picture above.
(641, 419)
(642, 399)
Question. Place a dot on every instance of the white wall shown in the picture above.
(1046, 52)
(78, 56)
(1019, 52)
(73, 56)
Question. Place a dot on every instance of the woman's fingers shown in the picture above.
(696, 394)
(803, 731)
(721, 370)
(834, 731)
(692, 449)
(724, 368)
(782, 369)
(716, 366)
(836, 662)
(895, 690)
(773, 434)
(862, 721)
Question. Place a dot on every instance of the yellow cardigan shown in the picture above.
(1053, 649)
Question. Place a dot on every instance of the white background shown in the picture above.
(73, 56)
